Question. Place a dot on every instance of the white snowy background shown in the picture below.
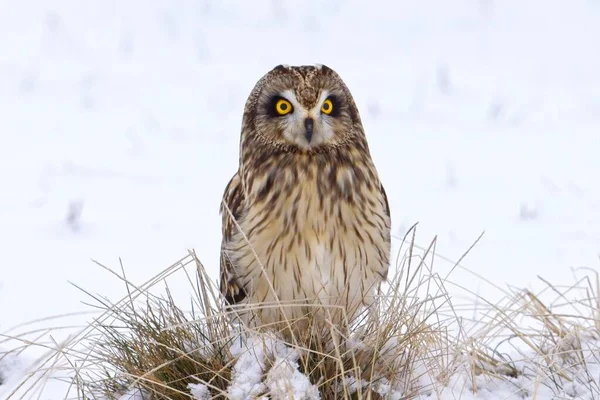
(119, 129)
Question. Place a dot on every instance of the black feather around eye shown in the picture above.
(272, 106)
(337, 105)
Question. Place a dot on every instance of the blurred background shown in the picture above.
(120, 121)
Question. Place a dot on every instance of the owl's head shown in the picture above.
(301, 108)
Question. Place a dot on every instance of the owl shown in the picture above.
(305, 219)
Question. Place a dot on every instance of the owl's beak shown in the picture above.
(308, 125)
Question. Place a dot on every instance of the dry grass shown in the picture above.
(414, 340)
(160, 349)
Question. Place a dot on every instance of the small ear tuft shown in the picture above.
(324, 68)
(281, 67)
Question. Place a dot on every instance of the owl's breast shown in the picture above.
(299, 215)
(318, 234)
(306, 200)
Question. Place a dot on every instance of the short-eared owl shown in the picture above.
(312, 221)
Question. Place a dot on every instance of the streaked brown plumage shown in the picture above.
(307, 198)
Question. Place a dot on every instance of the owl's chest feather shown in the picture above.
(314, 235)
(305, 207)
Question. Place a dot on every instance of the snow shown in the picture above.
(285, 381)
(199, 391)
(10, 369)
(134, 394)
(120, 128)
(247, 373)
(282, 380)
(266, 365)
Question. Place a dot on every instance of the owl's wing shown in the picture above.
(385, 199)
(388, 236)
(235, 200)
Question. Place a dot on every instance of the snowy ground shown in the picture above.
(120, 126)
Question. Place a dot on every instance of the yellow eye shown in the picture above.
(283, 107)
(327, 107)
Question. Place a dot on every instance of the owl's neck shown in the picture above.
(340, 173)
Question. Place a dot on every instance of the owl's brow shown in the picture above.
(305, 92)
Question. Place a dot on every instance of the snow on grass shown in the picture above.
(282, 380)
(134, 394)
(199, 391)
(247, 373)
